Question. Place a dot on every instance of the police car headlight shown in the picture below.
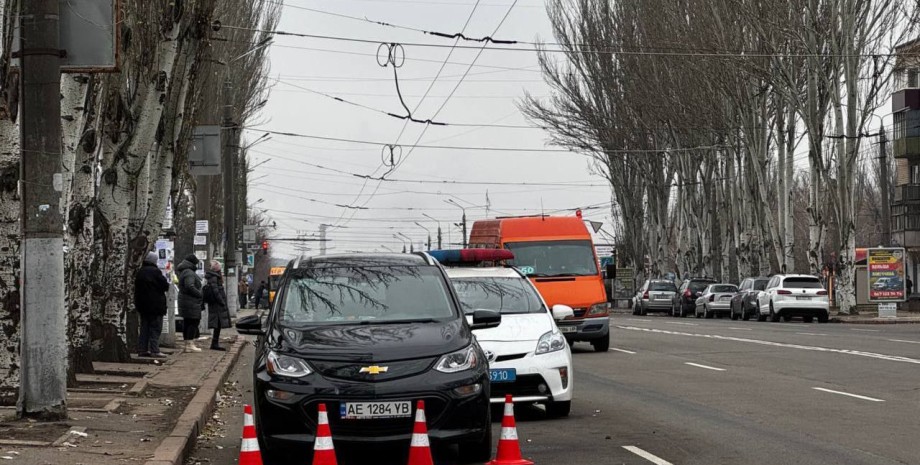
(461, 360)
(550, 342)
(288, 367)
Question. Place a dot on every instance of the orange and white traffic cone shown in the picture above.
(323, 450)
(420, 449)
(249, 449)
(509, 449)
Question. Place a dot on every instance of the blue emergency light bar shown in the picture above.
(470, 256)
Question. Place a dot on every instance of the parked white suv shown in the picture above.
(792, 295)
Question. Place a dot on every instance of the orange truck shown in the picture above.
(557, 254)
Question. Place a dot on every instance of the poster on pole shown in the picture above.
(201, 227)
(201, 240)
(887, 281)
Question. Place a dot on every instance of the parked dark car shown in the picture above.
(744, 303)
(369, 335)
(684, 302)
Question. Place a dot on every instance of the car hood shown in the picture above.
(517, 328)
(374, 343)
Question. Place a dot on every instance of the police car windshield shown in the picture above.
(554, 258)
(507, 295)
(367, 295)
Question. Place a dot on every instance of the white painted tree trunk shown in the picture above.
(9, 262)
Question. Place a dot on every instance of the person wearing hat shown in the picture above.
(150, 287)
(216, 298)
(190, 301)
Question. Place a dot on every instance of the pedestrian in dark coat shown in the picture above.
(150, 287)
(216, 298)
(190, 301)
(259, 293)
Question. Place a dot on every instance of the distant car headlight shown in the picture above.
(461, 360)
(550, 342)
(286, 366)
(598, 309)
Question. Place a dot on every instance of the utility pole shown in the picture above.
(885, 187)
(464, 229)
(439, 228)
(322, 238)
(228, 141)
(43, 387)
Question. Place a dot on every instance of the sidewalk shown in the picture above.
(872, 318)
(128, 413)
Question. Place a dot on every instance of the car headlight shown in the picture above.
(550, 342)
(289, 367)
(598, 309)
(461, 360)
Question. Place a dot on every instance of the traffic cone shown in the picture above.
(323, 450)
(420, 449)
(249, 449)
(509, 449)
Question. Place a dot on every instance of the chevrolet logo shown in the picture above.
(374, 369)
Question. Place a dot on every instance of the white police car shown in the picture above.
(528, 356)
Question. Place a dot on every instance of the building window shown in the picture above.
(900, 125)
(915, 174)
(912, 78)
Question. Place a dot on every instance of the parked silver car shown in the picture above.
(654, 296)
(716, 300)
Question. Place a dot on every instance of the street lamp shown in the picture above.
(439, 226)
(452, 202)
(403, 241)
(427, 231)
(411, 245)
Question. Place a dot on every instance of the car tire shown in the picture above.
(787, 319)
(602, 345)
(744, 315)
(706, 313)
(643, 312)
(636, 310)
(479, 451)
(808, 319)
(823, 318)
(735, 316)
(773, 316)
(760, 316)
(558, 409)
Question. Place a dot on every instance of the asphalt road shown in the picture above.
(691, 391)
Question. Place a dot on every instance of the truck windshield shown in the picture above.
(506, 295)
(368, 295)
(554, 258)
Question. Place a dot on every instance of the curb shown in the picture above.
(176, 447)
(893, 321)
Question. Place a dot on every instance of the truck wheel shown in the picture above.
(602, 345)
(558, 409)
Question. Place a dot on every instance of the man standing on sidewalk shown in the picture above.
(190, 301)
(150, 287)
(244, 293)
(216, 297)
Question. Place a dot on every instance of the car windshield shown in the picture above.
(662, 286)
(724, 288)
(802, 283)
(760, 284)
(697, 286)
(554, 258)
(507, 295)
(351, 295)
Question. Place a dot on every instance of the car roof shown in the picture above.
(363, 259)
(784, 276)
(723, 284)
(485, 272)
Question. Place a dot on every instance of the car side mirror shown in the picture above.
(561, 312)
(250, 325)
(485, 319)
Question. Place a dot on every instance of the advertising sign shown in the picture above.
(887, 281)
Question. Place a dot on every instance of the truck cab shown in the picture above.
(557, 254)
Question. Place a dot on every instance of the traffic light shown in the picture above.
(264, 247)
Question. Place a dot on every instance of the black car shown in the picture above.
(744, 303)
(684, 302)
(369, 336)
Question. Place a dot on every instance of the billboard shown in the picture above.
(886, 278)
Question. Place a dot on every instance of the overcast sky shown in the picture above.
(300, 196)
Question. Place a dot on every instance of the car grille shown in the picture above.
(525, 385)
(505, 358)
(580, 312)
(352, 371)
(435, 407)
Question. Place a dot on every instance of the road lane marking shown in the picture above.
(812, 334)
(902, 340)
(859, 353)
(873, 399)
(680, 323)
(740, 329)
(636, 319)
(647, 456)
(624, 351)
(704, 366)
(866, 330)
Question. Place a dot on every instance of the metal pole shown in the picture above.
(885, 187)
(464, 229)
(322, 238)
(203, 213)
(229, 172)
(43, 386)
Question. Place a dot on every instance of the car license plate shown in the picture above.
(801, 297)
(503, 376)
(568, 329)
(661, 297)
(374, 410)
